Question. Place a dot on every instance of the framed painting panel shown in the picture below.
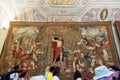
(70, 46)
(118, 27)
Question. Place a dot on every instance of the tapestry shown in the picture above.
(70, 46)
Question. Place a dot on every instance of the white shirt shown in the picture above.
(39, 77)
(55, 78)
(46, 74)
(14, 76)
(23, 79)
(78, 79)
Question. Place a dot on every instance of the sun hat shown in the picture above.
(102, 71)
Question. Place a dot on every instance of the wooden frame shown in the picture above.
(118, 27)
(83, 46)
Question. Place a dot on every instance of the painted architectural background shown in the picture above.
(58, 11)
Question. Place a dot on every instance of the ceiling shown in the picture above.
(58, 11)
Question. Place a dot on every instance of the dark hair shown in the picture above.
(77, 74)
(23, 74)
(55, 38)
(16, 67)
(56, 71)
(115, 68)
(52, 68)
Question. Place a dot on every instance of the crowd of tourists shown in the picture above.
(52, 73)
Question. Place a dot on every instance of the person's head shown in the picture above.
(56, 71)
(55, 38)
(52, 68)
(77, 74)
(114, 68)
(16, 67)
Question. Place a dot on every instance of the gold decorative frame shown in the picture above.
(86, 46)
(104, 14)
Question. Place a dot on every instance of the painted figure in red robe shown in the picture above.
(57, 45)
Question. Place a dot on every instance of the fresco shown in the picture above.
(63, 2)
